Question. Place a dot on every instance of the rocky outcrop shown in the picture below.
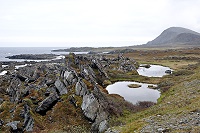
(81, 88)
(47, 104)
(13, 126)
(90, 106)
(28, 120)
(70, 77)
(96, 63)
(60, 87)
(1, 122)
(14, 90)
(1, 101)
(49, 88)
(94, 108)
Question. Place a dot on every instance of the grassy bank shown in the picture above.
(179, 99)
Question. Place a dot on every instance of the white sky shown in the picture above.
(100, 22)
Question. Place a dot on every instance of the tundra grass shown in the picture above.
(181, 98)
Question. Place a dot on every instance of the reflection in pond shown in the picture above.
(134, 95)
(153, 71)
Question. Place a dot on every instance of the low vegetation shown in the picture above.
(180, 94)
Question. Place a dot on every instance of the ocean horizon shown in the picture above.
(9, 51)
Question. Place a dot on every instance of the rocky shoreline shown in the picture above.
(33, 56)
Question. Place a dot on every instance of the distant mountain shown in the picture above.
(176, 35)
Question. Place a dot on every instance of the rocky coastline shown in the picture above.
(33, 56)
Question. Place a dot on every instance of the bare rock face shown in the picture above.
(14, 90)
(70, 77)
(98, 64)
(90, 106)
(13, 125)
(60, 87)
(1, 101)
(103, 126)
(1, 122)
(28, 120)
(94, 108)
(89, 74)
(81, 88)
(101, 121)
(47, 104)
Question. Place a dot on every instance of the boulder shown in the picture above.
(60, 87)
(168, 71)
(47, 104)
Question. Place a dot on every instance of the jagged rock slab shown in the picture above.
(81, 88)
(70, 77)
(13, 90)
(90, 106)
(47, 103)
(61, 87)
(13, 125)
(28, 120)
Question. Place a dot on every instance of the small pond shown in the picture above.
(134, 95)
(153, 71)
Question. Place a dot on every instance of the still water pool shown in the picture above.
(153, 71)
(134, 95)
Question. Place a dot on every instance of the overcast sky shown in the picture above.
(100, 22)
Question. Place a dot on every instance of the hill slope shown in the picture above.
(176, 35)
